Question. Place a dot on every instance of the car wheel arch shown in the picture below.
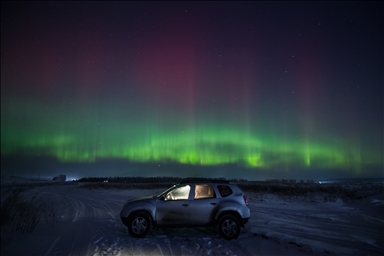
(231, 212)
(141, 211)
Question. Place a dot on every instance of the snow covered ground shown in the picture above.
(76, 221)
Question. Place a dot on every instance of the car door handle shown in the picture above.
(185, 205)
(213, 203)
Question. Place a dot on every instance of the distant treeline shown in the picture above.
(168, 179)
(150, 179)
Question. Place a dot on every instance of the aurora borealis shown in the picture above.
(274, 87)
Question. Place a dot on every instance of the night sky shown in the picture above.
(251, 90)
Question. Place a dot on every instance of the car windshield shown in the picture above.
(165, 191)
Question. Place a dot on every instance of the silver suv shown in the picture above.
(190, 203)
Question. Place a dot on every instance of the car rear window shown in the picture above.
(224, 190)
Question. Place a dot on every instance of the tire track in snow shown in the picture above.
(79, 211)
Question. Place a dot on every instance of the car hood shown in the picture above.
(142, 198)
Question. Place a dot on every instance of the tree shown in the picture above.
(60, 177)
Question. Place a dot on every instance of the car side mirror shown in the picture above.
(162, 198)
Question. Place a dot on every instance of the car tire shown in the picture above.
(229, 227)
(139, 224)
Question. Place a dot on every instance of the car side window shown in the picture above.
(204, 191)
(180, 193)
(224, 190)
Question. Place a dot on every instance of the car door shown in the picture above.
(173, 208)
(204, 204)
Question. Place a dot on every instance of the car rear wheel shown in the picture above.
(229, 227)
(139, 224)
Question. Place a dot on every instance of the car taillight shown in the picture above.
(245, 200)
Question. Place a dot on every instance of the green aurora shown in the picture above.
(85, 139)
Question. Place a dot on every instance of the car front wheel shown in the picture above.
(229, 227)
(139, 225)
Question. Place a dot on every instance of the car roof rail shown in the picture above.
(198, 180)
